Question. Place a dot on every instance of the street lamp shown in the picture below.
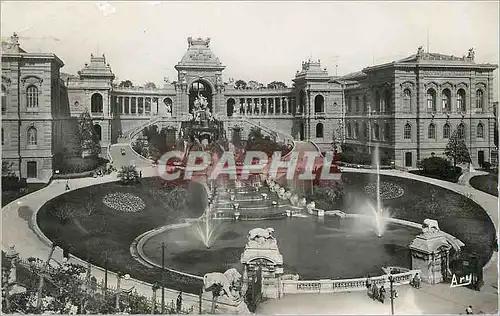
(119, 277)
(392, 293)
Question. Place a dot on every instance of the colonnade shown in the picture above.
(135, 105)
(262, 106)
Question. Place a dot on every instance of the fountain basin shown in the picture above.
(313, 249)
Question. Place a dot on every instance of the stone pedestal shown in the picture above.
(430, 253)
(262, 254)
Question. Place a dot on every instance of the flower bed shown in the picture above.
(388, 190)
(125, 202)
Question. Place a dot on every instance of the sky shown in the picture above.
(262, 41)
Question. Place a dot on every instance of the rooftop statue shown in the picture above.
(261, 238)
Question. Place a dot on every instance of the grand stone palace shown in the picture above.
(408, 107)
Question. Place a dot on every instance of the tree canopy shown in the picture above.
(456, 150)
(126, 84)
(240, 84)
(87, 135)
(150, 85)
(276, 85)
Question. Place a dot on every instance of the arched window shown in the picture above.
(377, 101)
(356, 130)
(4, 99)
(357, 104)
(376, 131)
(387, 101)
(461, 107)
(461, 131)
(230, 107)
(32, 97)
(32, 136)
(480, 130)
(302, 99)
(319, 104)
(348, 128)
(479, 99)
(431, 100)
(407, 100)
(365, 104)
(366, 131)
(407, 131)
(446, 100)
(446, 131)
(98, 131)
(431, 131)
(319, 130)
(387, 131)
(96, 103)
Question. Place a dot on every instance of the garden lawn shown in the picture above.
(9, 196)
(487, 183)
(93, 231)
(455, 213)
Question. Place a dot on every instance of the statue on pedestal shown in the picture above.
(261, 238)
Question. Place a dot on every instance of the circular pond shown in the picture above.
(333, 248)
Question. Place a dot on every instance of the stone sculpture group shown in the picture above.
(227, 281)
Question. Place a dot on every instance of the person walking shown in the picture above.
(67, 185)
(368, 282)
(416, 281)
(468, 310)
(381, 297)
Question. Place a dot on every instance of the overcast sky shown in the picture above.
(263, 41)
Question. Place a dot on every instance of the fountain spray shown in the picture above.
(378, 211)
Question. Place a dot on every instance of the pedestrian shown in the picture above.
(416, 281)
(374, 291)
(67, 185)
(368, 282)
(382, 294)
(140, 173)
(179, 303)
(468, 310)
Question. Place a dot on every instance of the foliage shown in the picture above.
(73, 165)
(276, 85)
(150, 85)
(258, 142)
(7, 169)
(456, 150)
(486, 165)
(141, 147)
(63, 212)
(240, 84)
(87, 136)
(438, 168)
(328, 196)
(128, 175)
(349, 155)
(252, 84)
(126, 84)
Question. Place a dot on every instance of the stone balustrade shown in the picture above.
(344, 285)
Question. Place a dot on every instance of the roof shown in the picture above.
(434, 59)
(11, 48)
(97, 68)
(199, 54)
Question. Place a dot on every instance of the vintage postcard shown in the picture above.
(197, 157)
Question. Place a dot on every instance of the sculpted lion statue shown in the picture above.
(310, 206)
(430, 226)
(258, 233)
(226, 281)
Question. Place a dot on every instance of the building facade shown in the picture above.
(407, 108)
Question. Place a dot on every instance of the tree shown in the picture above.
(456, 150)
(150, 85)
(276, 85)
(63, 212)
(7, 169)
(87, 136)
(252, 84)
(128, 175)
(126, 84)
(240, 84)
